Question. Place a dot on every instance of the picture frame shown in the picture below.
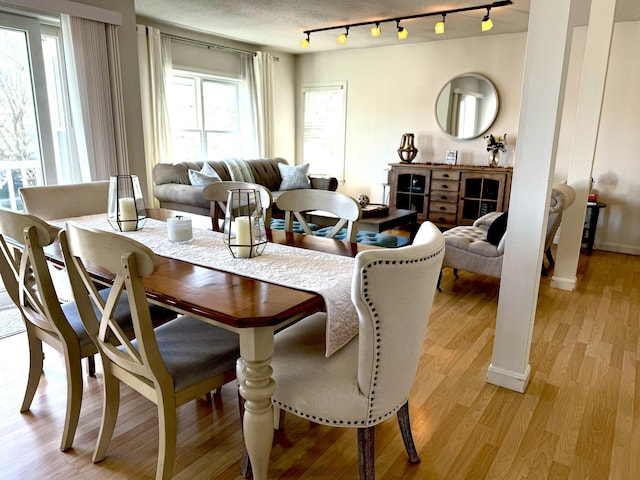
(451, 158)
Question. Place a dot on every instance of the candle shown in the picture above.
(128, 214)
(243, 236)
(179, 229)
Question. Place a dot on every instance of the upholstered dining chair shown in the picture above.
(368, 380)
(50, 202)
(218, 192)
(27, 278)
(296, 202)
(171, 365)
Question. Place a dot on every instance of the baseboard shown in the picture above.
(507, 379)
(618, 248)
(561, 283)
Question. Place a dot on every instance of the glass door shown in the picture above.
(26, 146)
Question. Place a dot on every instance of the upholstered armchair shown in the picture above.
(479, 248)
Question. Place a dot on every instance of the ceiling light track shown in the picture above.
(487, 24)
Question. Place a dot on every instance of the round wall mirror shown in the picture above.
(467, 106)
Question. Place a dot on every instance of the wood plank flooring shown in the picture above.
(578, 419)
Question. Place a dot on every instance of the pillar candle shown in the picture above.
(243, 236)
(128, 214)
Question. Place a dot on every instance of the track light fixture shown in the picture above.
(487, 24)
(403, 33)
(439, 28)
(305, 42)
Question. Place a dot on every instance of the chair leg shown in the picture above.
(167, 431)
(405, 429)
(111, 399)
(550, 257)
(36, 357)
(91, 365)
(439, 279)
(455, 272)
(73, 364)
(366, 453)
(245, 461)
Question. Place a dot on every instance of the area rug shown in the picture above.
(10, 322)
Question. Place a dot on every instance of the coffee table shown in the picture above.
(394, 219)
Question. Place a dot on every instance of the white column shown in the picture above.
(546, 60)
(594, 75)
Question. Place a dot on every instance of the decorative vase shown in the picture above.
(407, 151)
(494, 158)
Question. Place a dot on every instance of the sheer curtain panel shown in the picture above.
(262, 95)
(154, 59)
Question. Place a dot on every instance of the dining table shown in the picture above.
(241, 297)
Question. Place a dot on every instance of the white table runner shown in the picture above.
(318, 272)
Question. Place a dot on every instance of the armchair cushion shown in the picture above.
(497, 229)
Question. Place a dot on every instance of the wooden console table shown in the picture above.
(449, 195)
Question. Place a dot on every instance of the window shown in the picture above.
(205, 116)
(35, 145)
(324, 128)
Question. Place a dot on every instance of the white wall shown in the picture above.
(392, 90)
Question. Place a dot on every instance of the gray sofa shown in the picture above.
(172, 188)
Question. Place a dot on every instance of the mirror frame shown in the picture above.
(483, 128)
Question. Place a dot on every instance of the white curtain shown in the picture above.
(259, 73)
(154, 59)
(95, 90)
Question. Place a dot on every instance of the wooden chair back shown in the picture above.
(218, 192)
(296, 202)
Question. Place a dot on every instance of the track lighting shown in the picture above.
(487, 23)
(439, 28)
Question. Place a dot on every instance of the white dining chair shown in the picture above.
(51, 202)
(180, 361)
(217, 193)
(368, 380)
(296, 202)
(27, 278)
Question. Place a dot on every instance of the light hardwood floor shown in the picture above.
(578, 419)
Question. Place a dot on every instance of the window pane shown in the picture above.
(189, 144)
(220, 106)
(183, 103)
(221, 145)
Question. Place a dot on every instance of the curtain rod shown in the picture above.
(206, 44)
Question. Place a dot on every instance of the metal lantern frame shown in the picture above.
(244, 230)
(126, 209)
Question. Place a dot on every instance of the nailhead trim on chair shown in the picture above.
(375, 374)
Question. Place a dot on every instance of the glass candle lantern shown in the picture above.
(244, 230)
(127, 211)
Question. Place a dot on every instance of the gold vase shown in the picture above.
(407, 151)
(494, 158)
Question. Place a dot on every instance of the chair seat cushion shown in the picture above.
(299, 356)
(471, 239)
(122, 315)
(366, 238)
(194, 351)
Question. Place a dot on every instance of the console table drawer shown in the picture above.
(449, 185)
(443, 207)
(445, 175)
(444, 196)
(441, 217)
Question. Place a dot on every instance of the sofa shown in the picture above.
(173, 187)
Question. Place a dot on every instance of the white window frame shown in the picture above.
(335, 131)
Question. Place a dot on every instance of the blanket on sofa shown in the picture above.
(239, 170)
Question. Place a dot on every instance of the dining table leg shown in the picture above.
(256, 388)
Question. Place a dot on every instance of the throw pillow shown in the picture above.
(200, 179)
(294, 177)
(208, 170)
(497, 229)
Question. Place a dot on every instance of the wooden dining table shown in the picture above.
(252, 308)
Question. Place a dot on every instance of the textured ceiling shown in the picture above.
(279, 24)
